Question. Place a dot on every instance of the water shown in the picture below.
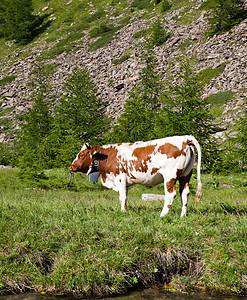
(156, 293)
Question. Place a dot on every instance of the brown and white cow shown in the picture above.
(149, 163)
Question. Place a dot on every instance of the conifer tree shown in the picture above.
(158, 36)
(141, 109)
(35, 125)
(185, 111)
(242, 141)
(79, 117)
(225, 14)
(17, 21)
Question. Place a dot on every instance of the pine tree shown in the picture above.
(17, 21)
(141, 109)
(225, 14)
(79, 117)
(159, 35)
(185, 112)
(35, 125)
(242, 141)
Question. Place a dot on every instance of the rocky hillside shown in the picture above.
(115, 73)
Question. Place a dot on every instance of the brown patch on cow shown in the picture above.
(168, 206)
(109, 165)
(154, 171)
(143, 155)
(189, 142)
(172, 151)
(119, 144)
(120, 180)
(171, 185)
(130, 144)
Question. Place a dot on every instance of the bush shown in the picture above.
(218, 100)
(7, 79)
(165, 5)
(17, 21)
(158, 35)
(5, 154)
(140, 4)
(101, 29)
(225, 14)
(206, 75)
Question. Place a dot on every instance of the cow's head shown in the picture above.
(84, 159)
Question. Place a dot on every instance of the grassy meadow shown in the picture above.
(77, 241)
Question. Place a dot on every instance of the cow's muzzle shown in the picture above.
(72, 168)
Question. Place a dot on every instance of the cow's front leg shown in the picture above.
(122, 191)
(123, 198)
(121, 188)
(170, 194)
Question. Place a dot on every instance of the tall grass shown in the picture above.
(79, 242)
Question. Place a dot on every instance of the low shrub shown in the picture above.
(140, 4)
(123, 58)
(165, 5)
(206, 75)
(101, 29)
(7, 79)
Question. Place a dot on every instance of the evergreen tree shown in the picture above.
(184, 111)
(79, 117)
(17, 21)
(242, 141)
(225, 14)
(138, 118)
(159, 35)
(35, 126)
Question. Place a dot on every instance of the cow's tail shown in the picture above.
(199, 162)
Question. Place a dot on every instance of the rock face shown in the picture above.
(114, 81)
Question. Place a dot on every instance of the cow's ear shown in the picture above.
(98, 155)
(85, 146)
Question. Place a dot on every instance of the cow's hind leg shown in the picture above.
(184, 192)
(170, 194)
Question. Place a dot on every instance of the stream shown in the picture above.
(148, 294)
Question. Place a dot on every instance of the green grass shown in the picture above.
(123, 58)
(103, 40)
(79, 242)
(206, 75)
(185, 45)
(218, 100)
(140, 4)
(7, 79)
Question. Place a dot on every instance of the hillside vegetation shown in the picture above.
(107, 37)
